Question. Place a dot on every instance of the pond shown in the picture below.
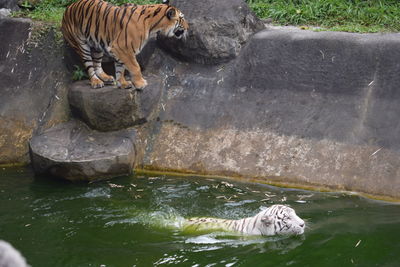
(133, 221)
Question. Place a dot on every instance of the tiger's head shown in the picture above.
(176, 25)
(280, 220)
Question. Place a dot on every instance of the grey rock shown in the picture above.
(33, 85)
(323, 85)
(104, 109)
(9, 4)
(10, 257)
(218, 30)
(4, 12)
(74, 152)
(149, 98)
(110, 108)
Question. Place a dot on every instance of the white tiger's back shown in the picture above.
(207, 224)
(275, 220)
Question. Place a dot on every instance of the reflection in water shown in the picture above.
(215, 242)
(263, 244)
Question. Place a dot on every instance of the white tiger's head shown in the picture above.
(279, 220)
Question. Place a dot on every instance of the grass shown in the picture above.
(47, 10)
(79, 74)
(336, 15)
(52, 10)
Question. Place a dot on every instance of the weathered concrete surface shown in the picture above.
(74, 152)
(297, 107)
(33, 85)
(218, 30)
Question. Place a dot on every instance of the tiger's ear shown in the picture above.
(171, 13)
(267, 220)
(165, 2)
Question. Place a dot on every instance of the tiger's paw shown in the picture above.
(107, 79)
(139, 85)
(96, 83)
(124, 84)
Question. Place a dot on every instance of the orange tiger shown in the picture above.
(95, 27)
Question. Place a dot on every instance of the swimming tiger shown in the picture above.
(275, 220)
(95, 27)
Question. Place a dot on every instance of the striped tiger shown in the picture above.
(95, 27)
(275, 220)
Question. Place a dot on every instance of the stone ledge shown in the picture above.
(111, 108)
(74, 152)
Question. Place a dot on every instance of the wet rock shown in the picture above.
(218, 29)
(111, 108)
(74, 152)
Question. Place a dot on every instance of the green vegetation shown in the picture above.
(45, 10)
(53, 10)
(337, 15)
(79, 74)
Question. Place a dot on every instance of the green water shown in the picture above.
(132, 221)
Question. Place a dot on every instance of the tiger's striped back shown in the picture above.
(94, 27)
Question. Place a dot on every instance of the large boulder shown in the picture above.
(218, 30)
(33, 85)
(74, 152)
(105, 109)
(110, 108)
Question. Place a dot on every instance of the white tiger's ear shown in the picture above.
(165, 2)
(267, 220)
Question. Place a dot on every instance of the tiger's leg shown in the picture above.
(97, 57)
(120, 77)
(84, 51)
(130, 62)
(136, 74)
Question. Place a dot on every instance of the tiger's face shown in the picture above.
(177, 25)
(280, 220)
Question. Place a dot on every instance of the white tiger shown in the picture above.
(275, 220)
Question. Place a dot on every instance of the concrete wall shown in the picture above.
(296, 107)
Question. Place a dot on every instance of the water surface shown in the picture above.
(134, 221)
